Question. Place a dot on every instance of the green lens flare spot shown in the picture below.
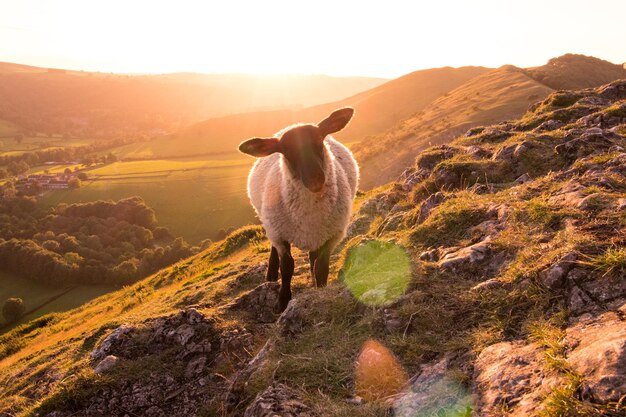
(376, 272)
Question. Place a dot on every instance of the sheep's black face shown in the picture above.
(303, 147)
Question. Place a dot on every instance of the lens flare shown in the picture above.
(379, 375)
(376, 272)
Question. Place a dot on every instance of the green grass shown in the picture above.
(9, 146)
(611, 261)
(37, 296)
(448, 223)
(193, 198)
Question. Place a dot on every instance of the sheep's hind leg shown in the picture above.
(321, 264)
(272, 267)
(286, 272)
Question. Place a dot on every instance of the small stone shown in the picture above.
(469, 255)
(106, 364)
(195, 366)
(554, 277)
(523, 179)
(490, 284)
(429, 255)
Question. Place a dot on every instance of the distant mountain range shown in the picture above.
(61, 101)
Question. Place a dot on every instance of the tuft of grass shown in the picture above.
(540, 212)
(611, 261)
(550, 335)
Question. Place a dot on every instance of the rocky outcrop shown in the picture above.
(512, 377)
(597, 352)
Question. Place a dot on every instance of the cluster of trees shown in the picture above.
(20, 163)
(97, 242)
(13, 309)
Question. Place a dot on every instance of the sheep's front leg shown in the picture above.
(272, 267)
(312, 258)
(322, 264)
(286, 272)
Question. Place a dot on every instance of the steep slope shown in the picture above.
(378, 109)
(572, 71)
(71, 102)
(513, 306)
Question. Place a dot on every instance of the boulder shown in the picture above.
(259, 302)
(464, 256)
(106, 364)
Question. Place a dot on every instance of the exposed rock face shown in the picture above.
(278, 401)
(597, 351)
(260, 302)
(429, 204)
(192, 345)
(188, 331)
(512, 376)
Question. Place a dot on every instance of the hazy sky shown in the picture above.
(384, 38)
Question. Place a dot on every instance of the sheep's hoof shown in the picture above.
(281, 305)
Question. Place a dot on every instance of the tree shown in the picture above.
(13, 309)
(74, 183)
(82, 176)
(67, 171)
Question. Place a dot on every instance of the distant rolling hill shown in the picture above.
(572, 71)
(78, 103)
(377, 110)
(501, 94)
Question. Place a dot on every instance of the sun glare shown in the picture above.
(337, 38)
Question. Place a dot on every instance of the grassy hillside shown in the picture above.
(492, 97)
(377, 109)
(514, 240)
(41, 299)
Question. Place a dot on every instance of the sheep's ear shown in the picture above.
(260, 147)
(336, 121)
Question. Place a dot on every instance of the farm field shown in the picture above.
(46, 298)
(9, 146)
(192, 197)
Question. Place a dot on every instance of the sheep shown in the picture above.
(302, 188)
